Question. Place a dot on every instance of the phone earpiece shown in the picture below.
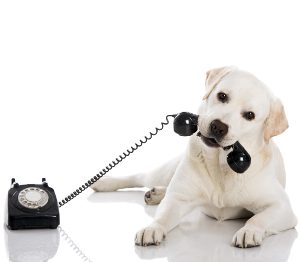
(185, 124)
(238, 159)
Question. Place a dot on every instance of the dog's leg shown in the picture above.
(158, 177)
(273, 219)
(110, 183)
(181, 197)
(155, 195)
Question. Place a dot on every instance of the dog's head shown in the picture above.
(238, 106)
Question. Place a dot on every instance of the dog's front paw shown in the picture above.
(155, 195)
(152, 235)
(248, 236)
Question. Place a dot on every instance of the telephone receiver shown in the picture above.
(239, 160)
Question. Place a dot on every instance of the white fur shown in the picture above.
(202, 177)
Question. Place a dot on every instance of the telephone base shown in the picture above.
(32, 206)
(15, 223)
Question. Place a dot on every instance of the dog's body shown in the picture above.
(236, 107)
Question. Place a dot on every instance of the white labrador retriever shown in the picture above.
(236, 107)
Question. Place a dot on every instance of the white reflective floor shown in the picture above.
(101, 227)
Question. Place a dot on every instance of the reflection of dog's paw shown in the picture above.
(152, 235)
(248, 236)
(155, 195)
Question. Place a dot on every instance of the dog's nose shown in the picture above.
(218, 129)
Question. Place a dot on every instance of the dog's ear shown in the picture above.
(276, 123)
(214, 76)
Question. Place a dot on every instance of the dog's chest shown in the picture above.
(223, 194)
(225, 190)
(221, 186)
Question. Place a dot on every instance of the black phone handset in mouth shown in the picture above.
(239, 160)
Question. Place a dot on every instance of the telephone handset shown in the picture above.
(239, 160)
(32, 206)
(35, 205)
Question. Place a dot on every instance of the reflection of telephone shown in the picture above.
(32, 206)
(32, 245)
(186, 124)
(39, 245)
(35, 206)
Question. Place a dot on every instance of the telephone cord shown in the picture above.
(115, 162)
(72, 244)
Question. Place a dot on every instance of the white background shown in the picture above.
(82, 80)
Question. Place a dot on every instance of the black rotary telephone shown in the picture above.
(32, 206)
(186, 124)
(35, 205)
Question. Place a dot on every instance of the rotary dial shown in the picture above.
(33, 197)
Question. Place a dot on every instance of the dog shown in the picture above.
(236, 107)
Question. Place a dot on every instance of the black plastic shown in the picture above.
(185, 124)
(239, 160)
(20, 217)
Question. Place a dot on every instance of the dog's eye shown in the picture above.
(222, 97)
(248, 115)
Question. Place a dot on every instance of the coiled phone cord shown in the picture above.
(72, 244)
(115, 162)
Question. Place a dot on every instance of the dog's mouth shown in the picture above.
(209, 141)
(212, 142)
